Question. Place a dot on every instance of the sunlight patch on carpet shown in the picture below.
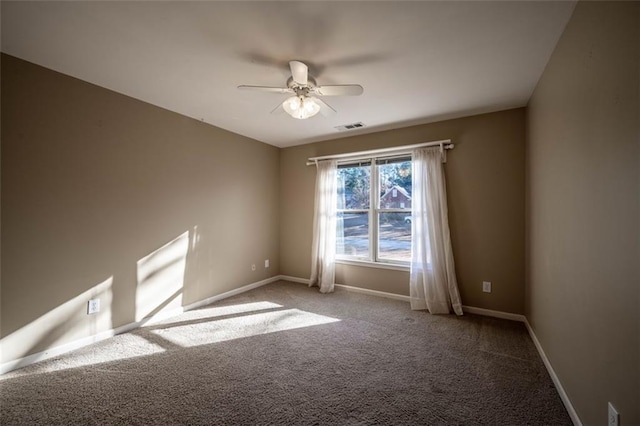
(125, 347)
(218, 311)
(239, 327)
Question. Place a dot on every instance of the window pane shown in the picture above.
(394, 236)
(353, 234)
(353, 187)
(395, 185)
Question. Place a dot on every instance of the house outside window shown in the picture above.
(374, 210)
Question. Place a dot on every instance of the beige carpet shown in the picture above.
(286, 354)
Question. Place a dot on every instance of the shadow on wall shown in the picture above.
(159, 287)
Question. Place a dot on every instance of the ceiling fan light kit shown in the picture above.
(302, 105)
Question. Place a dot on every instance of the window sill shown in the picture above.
(378, 265)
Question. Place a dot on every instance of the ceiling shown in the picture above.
(417, 61)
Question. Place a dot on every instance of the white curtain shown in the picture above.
(433, 283)
(323, 249)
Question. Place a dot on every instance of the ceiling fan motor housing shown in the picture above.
(311, 83)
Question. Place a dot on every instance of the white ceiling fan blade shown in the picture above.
(325, 109)
(340, 90)
(299, 72)
(266, 89)
(278, 110)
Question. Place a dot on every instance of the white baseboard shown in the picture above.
(494, 314)
(469, 309)
(86, 341)
(351, 288)
(55, 351)
(294, 279)
(374, 292)
(230, 293)
(554, 377)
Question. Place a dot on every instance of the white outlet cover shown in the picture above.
(486, 286)
(266, 263)
(253, 267)
(93, 306)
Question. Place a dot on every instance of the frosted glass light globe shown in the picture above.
(301, 107)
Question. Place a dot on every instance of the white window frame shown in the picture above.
(373, 216)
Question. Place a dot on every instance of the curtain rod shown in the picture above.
(445, 144)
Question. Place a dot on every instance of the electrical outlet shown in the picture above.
(253, 267)
(486, 286)
(614, 417)
(266, 263)
(93, 307)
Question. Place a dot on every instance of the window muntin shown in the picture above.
(381, 233)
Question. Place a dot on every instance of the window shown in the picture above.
(374, 210)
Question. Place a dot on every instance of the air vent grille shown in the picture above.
(351, 126)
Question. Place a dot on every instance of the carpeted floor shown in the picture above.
(286, 354)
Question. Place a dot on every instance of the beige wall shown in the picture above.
(583, 277)
(485, 184)
(104, 195)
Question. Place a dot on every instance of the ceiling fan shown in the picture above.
(305, 103)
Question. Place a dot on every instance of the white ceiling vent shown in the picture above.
(352, 126)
